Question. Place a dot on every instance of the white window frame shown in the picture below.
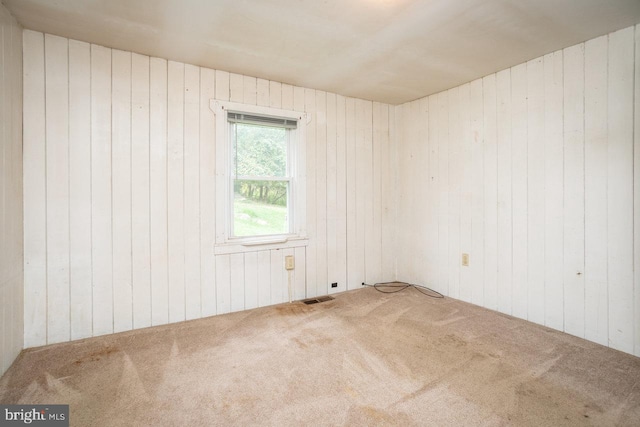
(296, 159)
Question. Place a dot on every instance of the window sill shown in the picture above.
(260, 244)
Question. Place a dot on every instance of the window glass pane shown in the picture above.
(260, 150)
(260, 208)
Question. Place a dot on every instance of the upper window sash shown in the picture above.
(289, 152)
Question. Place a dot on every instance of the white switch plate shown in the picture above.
(465, 260)
(289, 262)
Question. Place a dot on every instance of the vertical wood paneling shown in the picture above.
(409, 158)
(140, 149)
(175, 190)
(341, 196)
(574, 190)
(236, 270)
(417, 175)
(221, 93)
(278, 279)
(158, 191)
(387, 179)
(101, 194)
(519, 188)
(192, 184)
(422, 164)
(287, 97)
(301, 203)
(80, 189)
(636, 196)
(57, 186)
(236, 87)
(393, 238)
(275, 94)
(476, 262)
(264, 278)
(535, 190)
(432, 188)
(556, 200)
(620, 189)
(387, 182)
(410, 161)
(207, 195)
(17, 290)
(223, 284)
(367, 189)
(251, 280)
(455, 190)
(140, 192)
(397, 194)
(121, 190)
(490, 185)
(466, 276)
(443, 196)
(595, 190)
(331, 191)
(322, 285)
(300, 275)
(374, 258)
(263, 92)
(6, 165)
(310, 108)
(553, 203)
(505, 230)
(249, 89)
(400, 193)
(420, 172)
(34, 160)
(300, 253)
(362, 165)
(289, 279)
(408, 154)
(222, 85)
(350, 142)
(11, 191)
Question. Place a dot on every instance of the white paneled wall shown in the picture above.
(11, 237)
(120, 193)
(535, 173)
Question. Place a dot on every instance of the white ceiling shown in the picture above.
(384, 50)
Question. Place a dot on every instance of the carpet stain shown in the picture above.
(293, 309)
(96, 355)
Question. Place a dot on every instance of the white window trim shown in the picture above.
(224, 243)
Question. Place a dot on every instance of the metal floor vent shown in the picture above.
(317, 300)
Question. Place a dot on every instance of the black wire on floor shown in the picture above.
(393, 287)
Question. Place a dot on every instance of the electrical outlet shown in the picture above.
(465, 260)
(289, 262)
(334, 285)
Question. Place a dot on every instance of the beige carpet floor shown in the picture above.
(365, 358)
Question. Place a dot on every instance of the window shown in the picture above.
(260, 190)
(260, 176)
